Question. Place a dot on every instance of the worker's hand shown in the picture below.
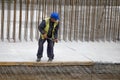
(56, 40)
(45, 35)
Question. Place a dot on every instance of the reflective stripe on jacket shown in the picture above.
(46, 29)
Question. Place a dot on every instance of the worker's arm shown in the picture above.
(41, 27)
(56, 33)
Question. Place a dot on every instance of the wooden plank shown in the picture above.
(46, 63)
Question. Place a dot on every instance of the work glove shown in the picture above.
(55, 40)
(45, 36)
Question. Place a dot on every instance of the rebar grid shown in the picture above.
(98, 71)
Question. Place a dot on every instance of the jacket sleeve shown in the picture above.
(56, 31)
(41, 27)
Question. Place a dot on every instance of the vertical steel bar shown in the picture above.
(75, 13)
(101, 20)
(108, 18)
(64, 27)
(26, 21)
(96, 22)
(89, 16)
(116, 22)
(60, 29)
(48, 7)
(38, 5)
(14, 22)
(118, 31)
(20, 21)
(112, 13)
(53, 5)
(2, 21)
(83, 20)
(43, 9)
(105, 21)
(87, 20)
(93, 21)
(80, 21)
(77, 17)
(31, 20)
(111, 19)
(8, 20)
(71, 20)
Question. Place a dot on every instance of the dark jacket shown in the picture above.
(49, 35)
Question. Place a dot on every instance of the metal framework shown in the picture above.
(84, 20)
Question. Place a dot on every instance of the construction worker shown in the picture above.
(49, 32)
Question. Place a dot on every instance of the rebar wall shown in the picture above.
(84, 20)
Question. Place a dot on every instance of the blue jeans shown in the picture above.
(50, 48)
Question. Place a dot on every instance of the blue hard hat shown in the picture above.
(55, 15)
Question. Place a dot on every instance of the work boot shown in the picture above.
(50, 59)
(38, 59)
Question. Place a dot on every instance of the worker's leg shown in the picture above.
(40, 48)
(50, 49)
